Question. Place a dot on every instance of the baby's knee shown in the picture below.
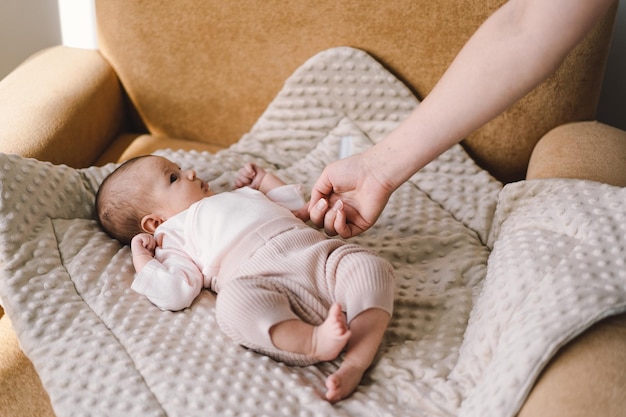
(367, 264)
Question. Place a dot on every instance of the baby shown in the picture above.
(282, 287)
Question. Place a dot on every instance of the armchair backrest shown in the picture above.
(206, 69)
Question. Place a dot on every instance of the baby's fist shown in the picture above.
(250, 175)
(143, 244)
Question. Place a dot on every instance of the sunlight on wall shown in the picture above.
(78, 23)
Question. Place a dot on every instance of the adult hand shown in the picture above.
(348, 197)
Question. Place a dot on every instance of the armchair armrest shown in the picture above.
(21, 391)
(584, 150)
(63, 105)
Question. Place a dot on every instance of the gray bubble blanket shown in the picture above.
(491, 280)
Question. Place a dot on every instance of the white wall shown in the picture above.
(27, 26)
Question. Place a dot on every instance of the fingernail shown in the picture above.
(338, 205)
(321, 205)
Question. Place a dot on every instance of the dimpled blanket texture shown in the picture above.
(491, 281)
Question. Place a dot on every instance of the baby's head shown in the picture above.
(144, 192)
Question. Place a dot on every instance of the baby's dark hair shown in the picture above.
(120, 206)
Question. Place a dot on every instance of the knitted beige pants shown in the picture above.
(298, 273)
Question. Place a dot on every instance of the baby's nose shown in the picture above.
(191, 174)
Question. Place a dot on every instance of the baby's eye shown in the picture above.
(173, 178)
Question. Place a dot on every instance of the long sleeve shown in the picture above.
(171, 285)
(288, 196)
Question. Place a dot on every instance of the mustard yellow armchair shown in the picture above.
(197, 74)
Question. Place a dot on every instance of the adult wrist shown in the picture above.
(387, 167)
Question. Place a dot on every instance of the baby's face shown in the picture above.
(174, 189)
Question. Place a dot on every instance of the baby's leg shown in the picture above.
(367, 331)
(324, 342)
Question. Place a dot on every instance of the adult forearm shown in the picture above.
(517, 48)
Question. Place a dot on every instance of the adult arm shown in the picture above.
(513, 51)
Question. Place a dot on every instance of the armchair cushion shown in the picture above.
(63, 105)
(206, 70)
(589, 150)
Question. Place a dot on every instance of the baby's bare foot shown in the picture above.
(343, 382)
(330, 337)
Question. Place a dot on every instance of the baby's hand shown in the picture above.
(250, 175)
(143, 244)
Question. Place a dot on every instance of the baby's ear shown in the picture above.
(150, 222)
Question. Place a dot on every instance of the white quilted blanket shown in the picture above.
(472, 327)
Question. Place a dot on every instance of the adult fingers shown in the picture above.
(317, 211)
(329, 219)
(340, 224)
(318, 204)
